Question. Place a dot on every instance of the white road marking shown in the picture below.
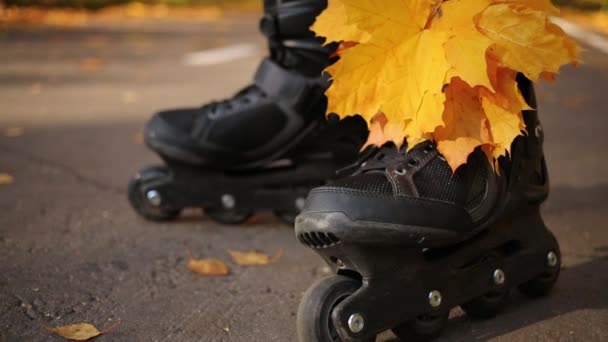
(221, 55)
(590, 38)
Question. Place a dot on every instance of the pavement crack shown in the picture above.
(29, 157)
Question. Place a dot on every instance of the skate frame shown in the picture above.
(277, 187)
(397, 281)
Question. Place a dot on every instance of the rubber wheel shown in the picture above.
(424, 328)
(542, 285)
(228, 216)
(138, 199)
(314, 323)
(486, 306)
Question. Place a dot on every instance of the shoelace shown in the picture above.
(379, 158)
(218, 108)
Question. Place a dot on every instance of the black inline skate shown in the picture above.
(410, 240)
(263, 149)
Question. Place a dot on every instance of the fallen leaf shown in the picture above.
(13, 132)
(129, 97)
(36, 89)
(90, 64)
(5, 178)
(253, 258)
(206, 267)
(82, 331)
(138, 138)
(77, 332)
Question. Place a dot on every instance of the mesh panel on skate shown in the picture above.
(375, 183)
(478, 183)
(436, 181)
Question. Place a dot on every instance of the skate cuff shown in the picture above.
(282, 84)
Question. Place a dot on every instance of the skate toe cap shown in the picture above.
(404, 211)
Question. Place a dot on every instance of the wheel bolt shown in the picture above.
(356, 323)
(552, 259)
(499, 277)
(228, 201)
(154, 197)
(435, 298)
(300, 203)
(538, 131)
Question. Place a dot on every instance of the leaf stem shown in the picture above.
(111, 327)
(276, 257)
(433, 14)
(188, 251)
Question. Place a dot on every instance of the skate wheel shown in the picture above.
(486, 306)
(314, 323)
(542, 285)
(228, 216)
(140, 202)
(424, 328)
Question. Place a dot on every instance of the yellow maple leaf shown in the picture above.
(207, 266)
(253, 258)
(358, 65)
(540, 5)
(442, 70)
(458, 20)
(476, 117)
(466, 125)
(413, 91)
(376, 131)
(81, 331)
(77, 332)
(391, 19)
(6, 178)
(14, 132)
(524, 39)
(335, 13)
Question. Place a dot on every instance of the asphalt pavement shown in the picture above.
(72, 250)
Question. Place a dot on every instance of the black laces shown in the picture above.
(243, 98)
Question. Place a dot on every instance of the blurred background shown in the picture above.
(78, 79)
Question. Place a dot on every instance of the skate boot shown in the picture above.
(266, 147)
(409, 240)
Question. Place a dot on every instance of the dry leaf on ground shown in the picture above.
(5, 178)
(13, 132)
(253, 258)
(207, 266)
(36, 89)
(138, 138)
(90, 64)
(81, 331)
(77, 332)
(129, 97)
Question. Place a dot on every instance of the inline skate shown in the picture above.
(266, 147)
(409, 240)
